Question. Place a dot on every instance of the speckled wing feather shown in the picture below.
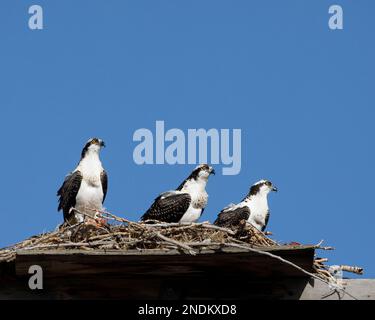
(168, 207)
(104, 181)
(266, 220)
(68, 193)
(231, 217)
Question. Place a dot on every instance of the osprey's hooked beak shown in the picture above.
(212, 171)
(274, 189)
(102, 144)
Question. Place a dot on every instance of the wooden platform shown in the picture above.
(151, 263)
(219, 273)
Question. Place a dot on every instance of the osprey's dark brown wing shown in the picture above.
(68, 193)
(231, 217)
(104, 180)
(266, 220)
(168, 207)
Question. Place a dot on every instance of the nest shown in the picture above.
(128, 235)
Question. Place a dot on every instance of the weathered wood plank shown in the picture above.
(80, 262)
(150, 274)
(146, 252)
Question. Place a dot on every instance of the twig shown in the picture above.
(177, 243)
(64, 245)
(353, 269)
(321, 260)
(212, 226)
(326, 248)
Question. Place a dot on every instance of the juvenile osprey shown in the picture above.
(253, 208)
(186, 203)
(86, 187)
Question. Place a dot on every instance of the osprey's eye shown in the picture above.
(268, 183)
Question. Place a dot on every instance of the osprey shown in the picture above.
(185, 204)
(85, 188)
(253, 208)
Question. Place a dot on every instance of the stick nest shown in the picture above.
(186, 238)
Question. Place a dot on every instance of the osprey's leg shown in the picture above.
(96, 221)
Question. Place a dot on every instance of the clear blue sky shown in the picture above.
(302, 94)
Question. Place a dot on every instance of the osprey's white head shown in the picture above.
(202, 171)
(261, 188)
(93, 146)
(199, 177)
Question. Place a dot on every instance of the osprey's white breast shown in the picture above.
(197, 192)
(199, 199)
(90, 194)
(258, 211)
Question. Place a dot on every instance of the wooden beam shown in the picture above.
(230, 273)
(145, 252)
(132, 263)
